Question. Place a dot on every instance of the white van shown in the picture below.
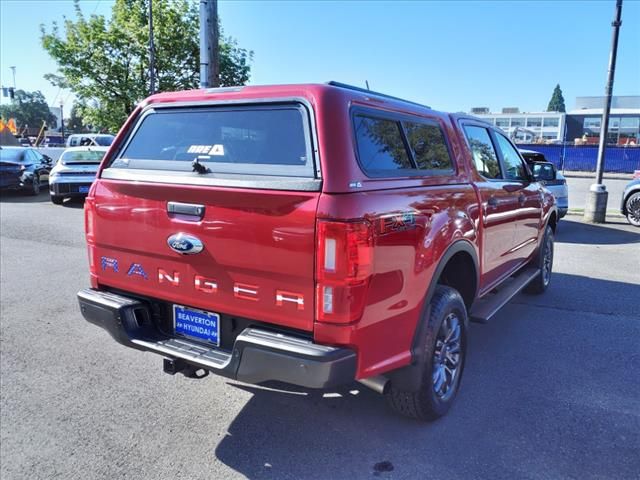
(89, 139)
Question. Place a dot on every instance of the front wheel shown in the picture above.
(443, 360)
(544, 262)
(35, 186)
(56, 199)
(632, 206)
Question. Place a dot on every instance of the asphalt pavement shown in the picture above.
(579, 190)
(551, 389)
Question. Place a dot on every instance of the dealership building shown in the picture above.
(580, 125)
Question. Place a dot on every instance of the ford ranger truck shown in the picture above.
(312, 235)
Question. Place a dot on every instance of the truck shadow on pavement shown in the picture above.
(535, 392)
(12, 196)
(610, 233)
(74, 203)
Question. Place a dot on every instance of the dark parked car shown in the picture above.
(23, 169)
(630, 206)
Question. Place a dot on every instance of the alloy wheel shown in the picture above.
(633, 210)
(447, 357)
(547, 261)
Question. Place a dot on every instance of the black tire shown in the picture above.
(632, 207)
(35, 186)
(433, 400)
(543, 261)
(57, 199)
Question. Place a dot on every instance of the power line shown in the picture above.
(56, 97)
(96, 7)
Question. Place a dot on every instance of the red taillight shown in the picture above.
(344, 264)
(89, 230)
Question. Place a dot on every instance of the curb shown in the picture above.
(592, 175)
(610, 213)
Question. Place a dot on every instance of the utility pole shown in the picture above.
(61, 122)
(152, 53)
(209, 42)
(596, 207)
(12, 91)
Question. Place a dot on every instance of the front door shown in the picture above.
(529, 199)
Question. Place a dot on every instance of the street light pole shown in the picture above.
(13, 69)
(61, 122)
(152, 53)
(596, 207)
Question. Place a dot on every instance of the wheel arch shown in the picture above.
(460, 253)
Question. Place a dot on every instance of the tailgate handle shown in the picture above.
(190, 209)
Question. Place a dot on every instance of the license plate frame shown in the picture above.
(196, 324)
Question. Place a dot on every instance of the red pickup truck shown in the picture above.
(313, 235)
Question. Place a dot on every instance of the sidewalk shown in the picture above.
(610, 213)
(609, 176)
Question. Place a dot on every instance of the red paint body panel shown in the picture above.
(404, 263)
(265, 240)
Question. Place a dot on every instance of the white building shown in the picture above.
(582, 124)
(546, 125)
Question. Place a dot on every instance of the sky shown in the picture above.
(451, 55)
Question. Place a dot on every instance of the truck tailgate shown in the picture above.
(258, 255)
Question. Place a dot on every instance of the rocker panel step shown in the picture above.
(486, 307)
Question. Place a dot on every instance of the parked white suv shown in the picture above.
(74, 172)
(555, 181)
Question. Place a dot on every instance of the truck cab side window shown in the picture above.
(484, 155)
(429, 147)
(514, 168)
(380, 146)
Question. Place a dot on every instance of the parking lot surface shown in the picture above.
(579, 191)
(551, 388)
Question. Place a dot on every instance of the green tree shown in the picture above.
(105, 62)
(556, 104)
(74, 123)
(28, 108)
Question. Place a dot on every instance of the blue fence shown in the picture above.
(583, 158)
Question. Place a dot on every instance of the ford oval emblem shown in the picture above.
(185, 244)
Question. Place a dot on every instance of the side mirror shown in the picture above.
(420, 147)
(544, 171)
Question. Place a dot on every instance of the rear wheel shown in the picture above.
(443, 360)
(632, 205)
(544, 262)
(56, 199)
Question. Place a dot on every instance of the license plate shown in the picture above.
(84, 189)
(196, 324)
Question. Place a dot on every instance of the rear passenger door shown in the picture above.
(499, 207)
